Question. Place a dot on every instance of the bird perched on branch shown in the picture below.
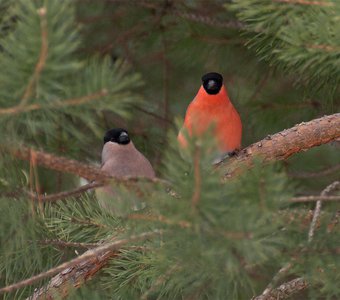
(212, 108)
(120, 158)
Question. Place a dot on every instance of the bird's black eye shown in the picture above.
(212, 83)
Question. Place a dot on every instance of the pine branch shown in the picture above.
(285, 290)
(317, 210)
(105, 249)
(59, 285)
(279, 146)
(61, 104)
(42, 57)
(284, 144)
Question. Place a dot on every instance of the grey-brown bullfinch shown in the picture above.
(120, 158)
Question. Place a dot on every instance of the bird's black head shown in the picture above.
(117, 135)
(212, 83)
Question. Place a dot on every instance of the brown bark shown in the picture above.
(284, 144)
(71, 278)
(60, 164)
(83, 264)
(285, 290)
(279, 146)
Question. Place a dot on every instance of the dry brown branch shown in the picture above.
(285, 290)
(284, 144)
(66, 194)
(42, 57)
(306, 2)
(64, 244)
(75, 167)
(199, 18)
(327, 48)
(303, 199)
(82, 259)
(61, 164)
(64, 103)
(317, 210)
(88, 222)
(233, 235)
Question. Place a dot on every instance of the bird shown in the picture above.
(120, 158)
(212, 107)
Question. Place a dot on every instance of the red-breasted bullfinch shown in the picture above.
(212, 108)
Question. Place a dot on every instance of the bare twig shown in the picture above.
(306, 2)
(80, 259)
(66, 165)
(233, 235)
(88, 222)
(64, 244)
(317, 210)
(199, 18)
(60, 104)
(66, 194)
(326, 48)
(303, 199)
(284, 144)
(285, 290)
(42, 57)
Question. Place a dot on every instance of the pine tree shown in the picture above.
(262, 224)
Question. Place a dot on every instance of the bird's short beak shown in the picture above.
(123, 138)
(212, 85)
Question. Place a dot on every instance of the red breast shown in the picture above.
(213, 110)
